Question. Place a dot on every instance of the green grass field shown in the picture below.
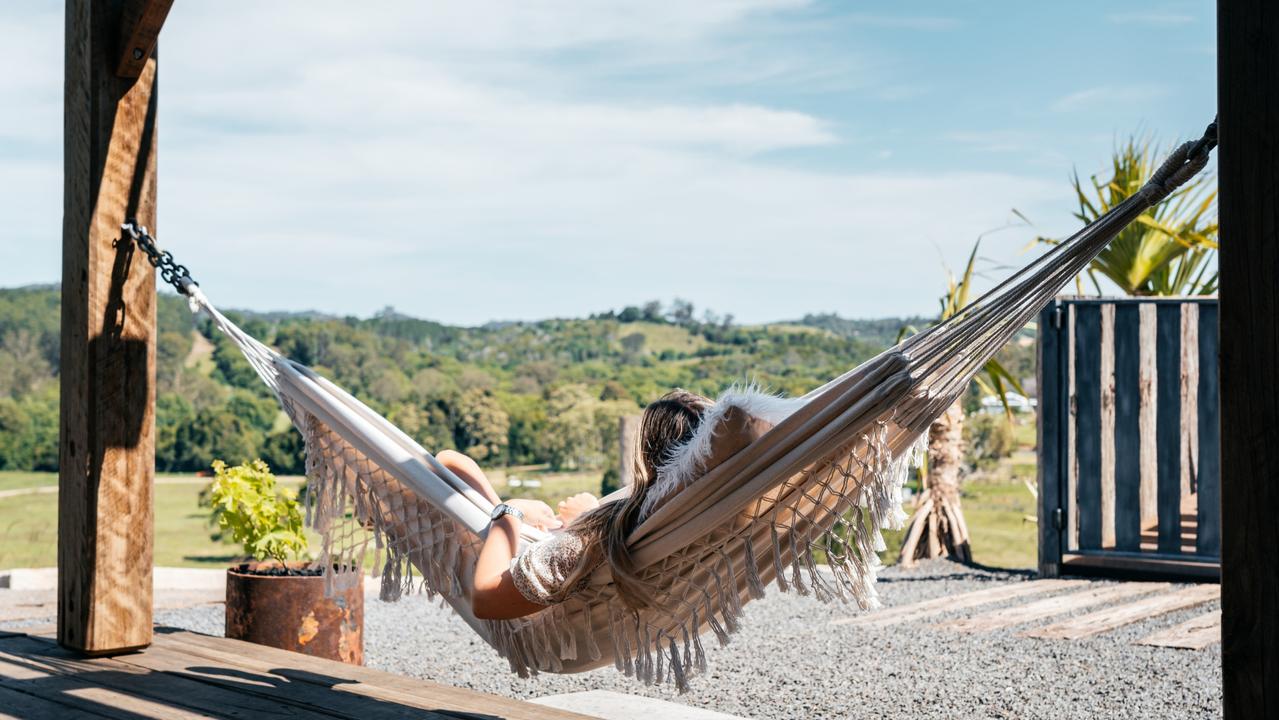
(995, 504)
(10, 480)
(661, 336)
(28, 526)
(28, 522)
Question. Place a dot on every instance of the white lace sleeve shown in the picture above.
(543, 570)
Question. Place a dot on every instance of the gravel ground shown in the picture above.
(790, 662)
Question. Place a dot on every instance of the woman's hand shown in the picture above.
(572, 507)
(536, 513)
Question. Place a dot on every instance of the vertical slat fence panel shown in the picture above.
(1168, 425)
(1208, 541)
(1106, 500)
(1128, 432)
(1087, 393)
(1127, 427)
(1149, 491)
(1189, 397)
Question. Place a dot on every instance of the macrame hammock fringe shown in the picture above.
(828, 478)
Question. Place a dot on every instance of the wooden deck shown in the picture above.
(187, 675)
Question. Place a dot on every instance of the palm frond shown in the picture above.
(1171, 246)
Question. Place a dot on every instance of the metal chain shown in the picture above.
(173, 273)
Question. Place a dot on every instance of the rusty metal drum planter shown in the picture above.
(291, 612)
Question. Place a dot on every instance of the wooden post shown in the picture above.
(1248, 113)
(107, 444)
(628, 436)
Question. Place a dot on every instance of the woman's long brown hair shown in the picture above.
(670, 420)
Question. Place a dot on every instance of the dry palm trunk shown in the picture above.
(937, 528)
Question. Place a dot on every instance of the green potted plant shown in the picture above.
(277, 596)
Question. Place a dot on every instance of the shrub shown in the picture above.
(989, 438)
(250, 509)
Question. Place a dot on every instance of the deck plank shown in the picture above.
(1049, 607)
(937, 606)
(77, 693)
(1110, 618)
(35, 659)
(316, 695)
(360, 680)
(1194, 634)
(15, 705)
(186, 675)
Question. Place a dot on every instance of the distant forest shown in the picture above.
(512, 393)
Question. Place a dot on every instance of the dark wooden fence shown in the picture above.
(1129, 476)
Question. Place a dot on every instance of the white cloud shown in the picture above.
(1109, 96)
(446, 159)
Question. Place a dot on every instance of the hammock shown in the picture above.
(828, 477)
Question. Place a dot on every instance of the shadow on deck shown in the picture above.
(187, 675)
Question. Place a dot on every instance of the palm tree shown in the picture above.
(937, 527)
(1171, 248)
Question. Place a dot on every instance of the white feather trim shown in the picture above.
(686, 461)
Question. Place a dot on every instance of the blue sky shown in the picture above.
(477, 160)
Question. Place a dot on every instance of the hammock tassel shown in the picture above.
(778, 566)
(753, 581)
(699, 652)
(659, 658)
(592, 649)
(677, 668)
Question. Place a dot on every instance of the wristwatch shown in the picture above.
(504, 509)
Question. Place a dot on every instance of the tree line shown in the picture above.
(511, 393)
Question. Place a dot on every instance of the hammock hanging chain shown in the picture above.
(172, 272)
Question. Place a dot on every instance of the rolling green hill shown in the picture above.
(544, 392)
(538, 392)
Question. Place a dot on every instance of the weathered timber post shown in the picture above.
(1248, 114)
(628, 436)
(107, 444)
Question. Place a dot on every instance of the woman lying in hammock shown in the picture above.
(511, 584)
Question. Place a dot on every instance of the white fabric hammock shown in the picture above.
(826, 478)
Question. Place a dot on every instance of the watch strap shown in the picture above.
(504, 509)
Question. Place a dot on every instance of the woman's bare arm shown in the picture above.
(495, 596)
(493, 593)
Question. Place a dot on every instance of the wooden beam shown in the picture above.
(107, 444)
(1248, 179)
(140, 23)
